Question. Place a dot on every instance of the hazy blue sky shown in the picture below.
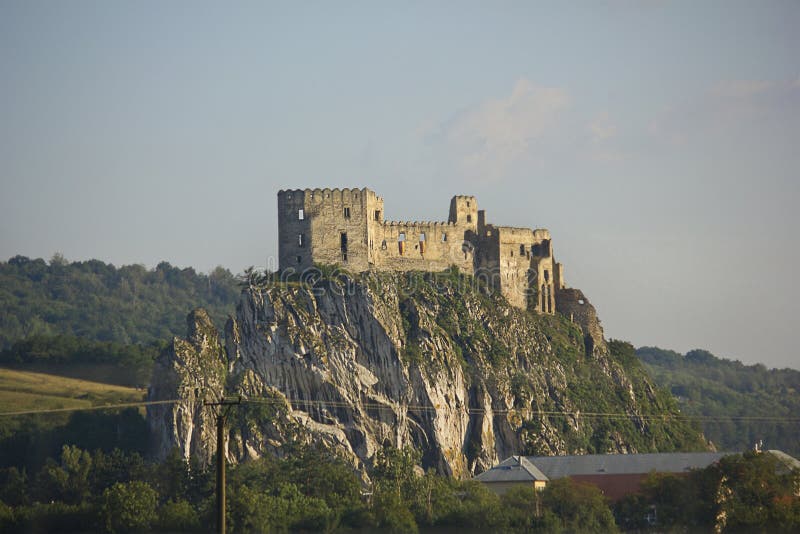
(658, 141)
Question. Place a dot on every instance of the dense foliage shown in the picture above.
(742, 493)
(720, 389)
(95, 300)
(310, 491)
(27, 441)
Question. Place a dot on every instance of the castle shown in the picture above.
(347, 227)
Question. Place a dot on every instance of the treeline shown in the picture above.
(309, 491)
(312, 490)
(719, 389)
(100, 361)
(96, 300)
(27, 441)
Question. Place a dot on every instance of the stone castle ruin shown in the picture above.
(347, 227)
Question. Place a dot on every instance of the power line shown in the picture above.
(296, 404)
(93, 408)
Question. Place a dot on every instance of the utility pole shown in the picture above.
(224, 407)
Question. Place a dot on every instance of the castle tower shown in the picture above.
(327, 226)
(464, 212)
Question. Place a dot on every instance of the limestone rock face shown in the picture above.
(192, 370)
(430, 361)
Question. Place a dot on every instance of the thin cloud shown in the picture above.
(744, 107)
(601, 128)
(483, 142)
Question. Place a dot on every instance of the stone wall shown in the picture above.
(521, 261)
(423, 246)
(348, 227)
(327, 226)
(574, 305)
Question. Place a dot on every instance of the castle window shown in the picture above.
(546, 275)
(467, 203)
(299, 259)
(378, 215)
(347, 213)
(522, 250)
(512, 253)
(300, 215)
(383, 245)
(301, 240)
(444, 238)
(343, 243)
(469, 218)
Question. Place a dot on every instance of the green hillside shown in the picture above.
(714, 387)
(99, 301)
(26, 440)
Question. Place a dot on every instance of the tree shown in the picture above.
(129, 507)
(178, 516)
(576, 507)
(68, 481)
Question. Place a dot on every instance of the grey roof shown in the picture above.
(789, 461)
(606, 464)
(513, 469)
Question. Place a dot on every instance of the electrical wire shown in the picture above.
(299, 404)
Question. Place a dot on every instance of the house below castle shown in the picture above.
(347, 227)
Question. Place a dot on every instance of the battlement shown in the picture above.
(347, 227)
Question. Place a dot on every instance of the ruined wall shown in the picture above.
(424, 246)
(574, 305)
(558, 276)
(519, 262)
(348, 227)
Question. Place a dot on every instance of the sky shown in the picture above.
(658, 141)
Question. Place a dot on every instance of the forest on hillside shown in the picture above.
(720, 389)
(96, 300)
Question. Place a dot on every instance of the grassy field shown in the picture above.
(27, 440)
(24, 390)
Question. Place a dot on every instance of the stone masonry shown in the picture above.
(347, 227)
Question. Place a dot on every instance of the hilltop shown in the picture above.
(96, 300)
(436, 361)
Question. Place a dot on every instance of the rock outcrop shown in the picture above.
(428, 360)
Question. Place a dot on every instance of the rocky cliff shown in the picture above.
(429, 360)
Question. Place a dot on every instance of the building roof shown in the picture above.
(627, 464)
(532, 468)
(790, 462)
(513, 469)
